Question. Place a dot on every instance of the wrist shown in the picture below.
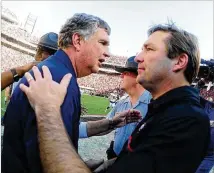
(20, 71)
(111, 124)
(41, 110)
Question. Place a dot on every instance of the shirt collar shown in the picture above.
(184, 92)
(61, 56)
(144, 98)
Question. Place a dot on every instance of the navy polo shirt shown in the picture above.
(172, 138)
(20, 142)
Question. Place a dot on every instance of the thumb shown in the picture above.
(66, 80)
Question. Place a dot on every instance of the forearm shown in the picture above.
(100, 127)
(56, 150)
(7, 77)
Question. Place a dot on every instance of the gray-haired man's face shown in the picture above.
(94, 51)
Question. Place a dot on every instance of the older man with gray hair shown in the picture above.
(83, 46)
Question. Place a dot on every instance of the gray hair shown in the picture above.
(83, 24)
(181, 41)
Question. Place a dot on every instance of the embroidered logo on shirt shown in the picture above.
(142, 126)
(211, 123)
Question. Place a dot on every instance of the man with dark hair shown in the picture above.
(83, 46)
(174, 135)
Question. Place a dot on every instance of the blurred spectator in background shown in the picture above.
(208, 162)
(47, 46)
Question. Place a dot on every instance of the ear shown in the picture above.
(77, 40)
(180, 62)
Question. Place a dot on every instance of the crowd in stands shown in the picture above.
(207, 94)
(101, 83)
(12, 58)
(116, 60)
(17, 32)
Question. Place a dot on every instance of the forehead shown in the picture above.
(157, 39)
(101, 34)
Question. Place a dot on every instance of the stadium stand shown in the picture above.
(18, 48)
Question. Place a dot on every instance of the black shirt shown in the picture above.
(172, 138)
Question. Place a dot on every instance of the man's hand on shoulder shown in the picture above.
(43, 92)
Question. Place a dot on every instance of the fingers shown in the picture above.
(46, 73)
(24, 88)
(131, 119)
(66, 80)
(29, 77)
(37, 73)
(133, 116)
(93, 164)
(133, 112)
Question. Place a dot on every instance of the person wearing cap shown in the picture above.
(46, 46)
(137, 99)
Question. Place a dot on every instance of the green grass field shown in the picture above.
(95, 105)
(2, 103)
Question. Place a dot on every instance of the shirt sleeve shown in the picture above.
(83, 130)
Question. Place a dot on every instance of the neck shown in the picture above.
(71, 54)
(135, 93)
(166, 86)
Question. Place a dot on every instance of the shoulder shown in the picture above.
(122, 101)
(186, 113)
(55, 67)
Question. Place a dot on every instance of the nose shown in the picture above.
(106, 53)
(139, 57)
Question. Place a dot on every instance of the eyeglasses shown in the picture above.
(127, 73)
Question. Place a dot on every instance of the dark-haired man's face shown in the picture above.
(153, 64)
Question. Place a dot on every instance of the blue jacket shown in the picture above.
(20, 143)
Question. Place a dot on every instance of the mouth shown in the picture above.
(100, 62)
(141, 69)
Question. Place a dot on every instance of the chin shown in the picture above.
(95, 69)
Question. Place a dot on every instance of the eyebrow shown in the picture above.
(148, 44)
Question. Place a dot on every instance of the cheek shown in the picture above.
(45, 56)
